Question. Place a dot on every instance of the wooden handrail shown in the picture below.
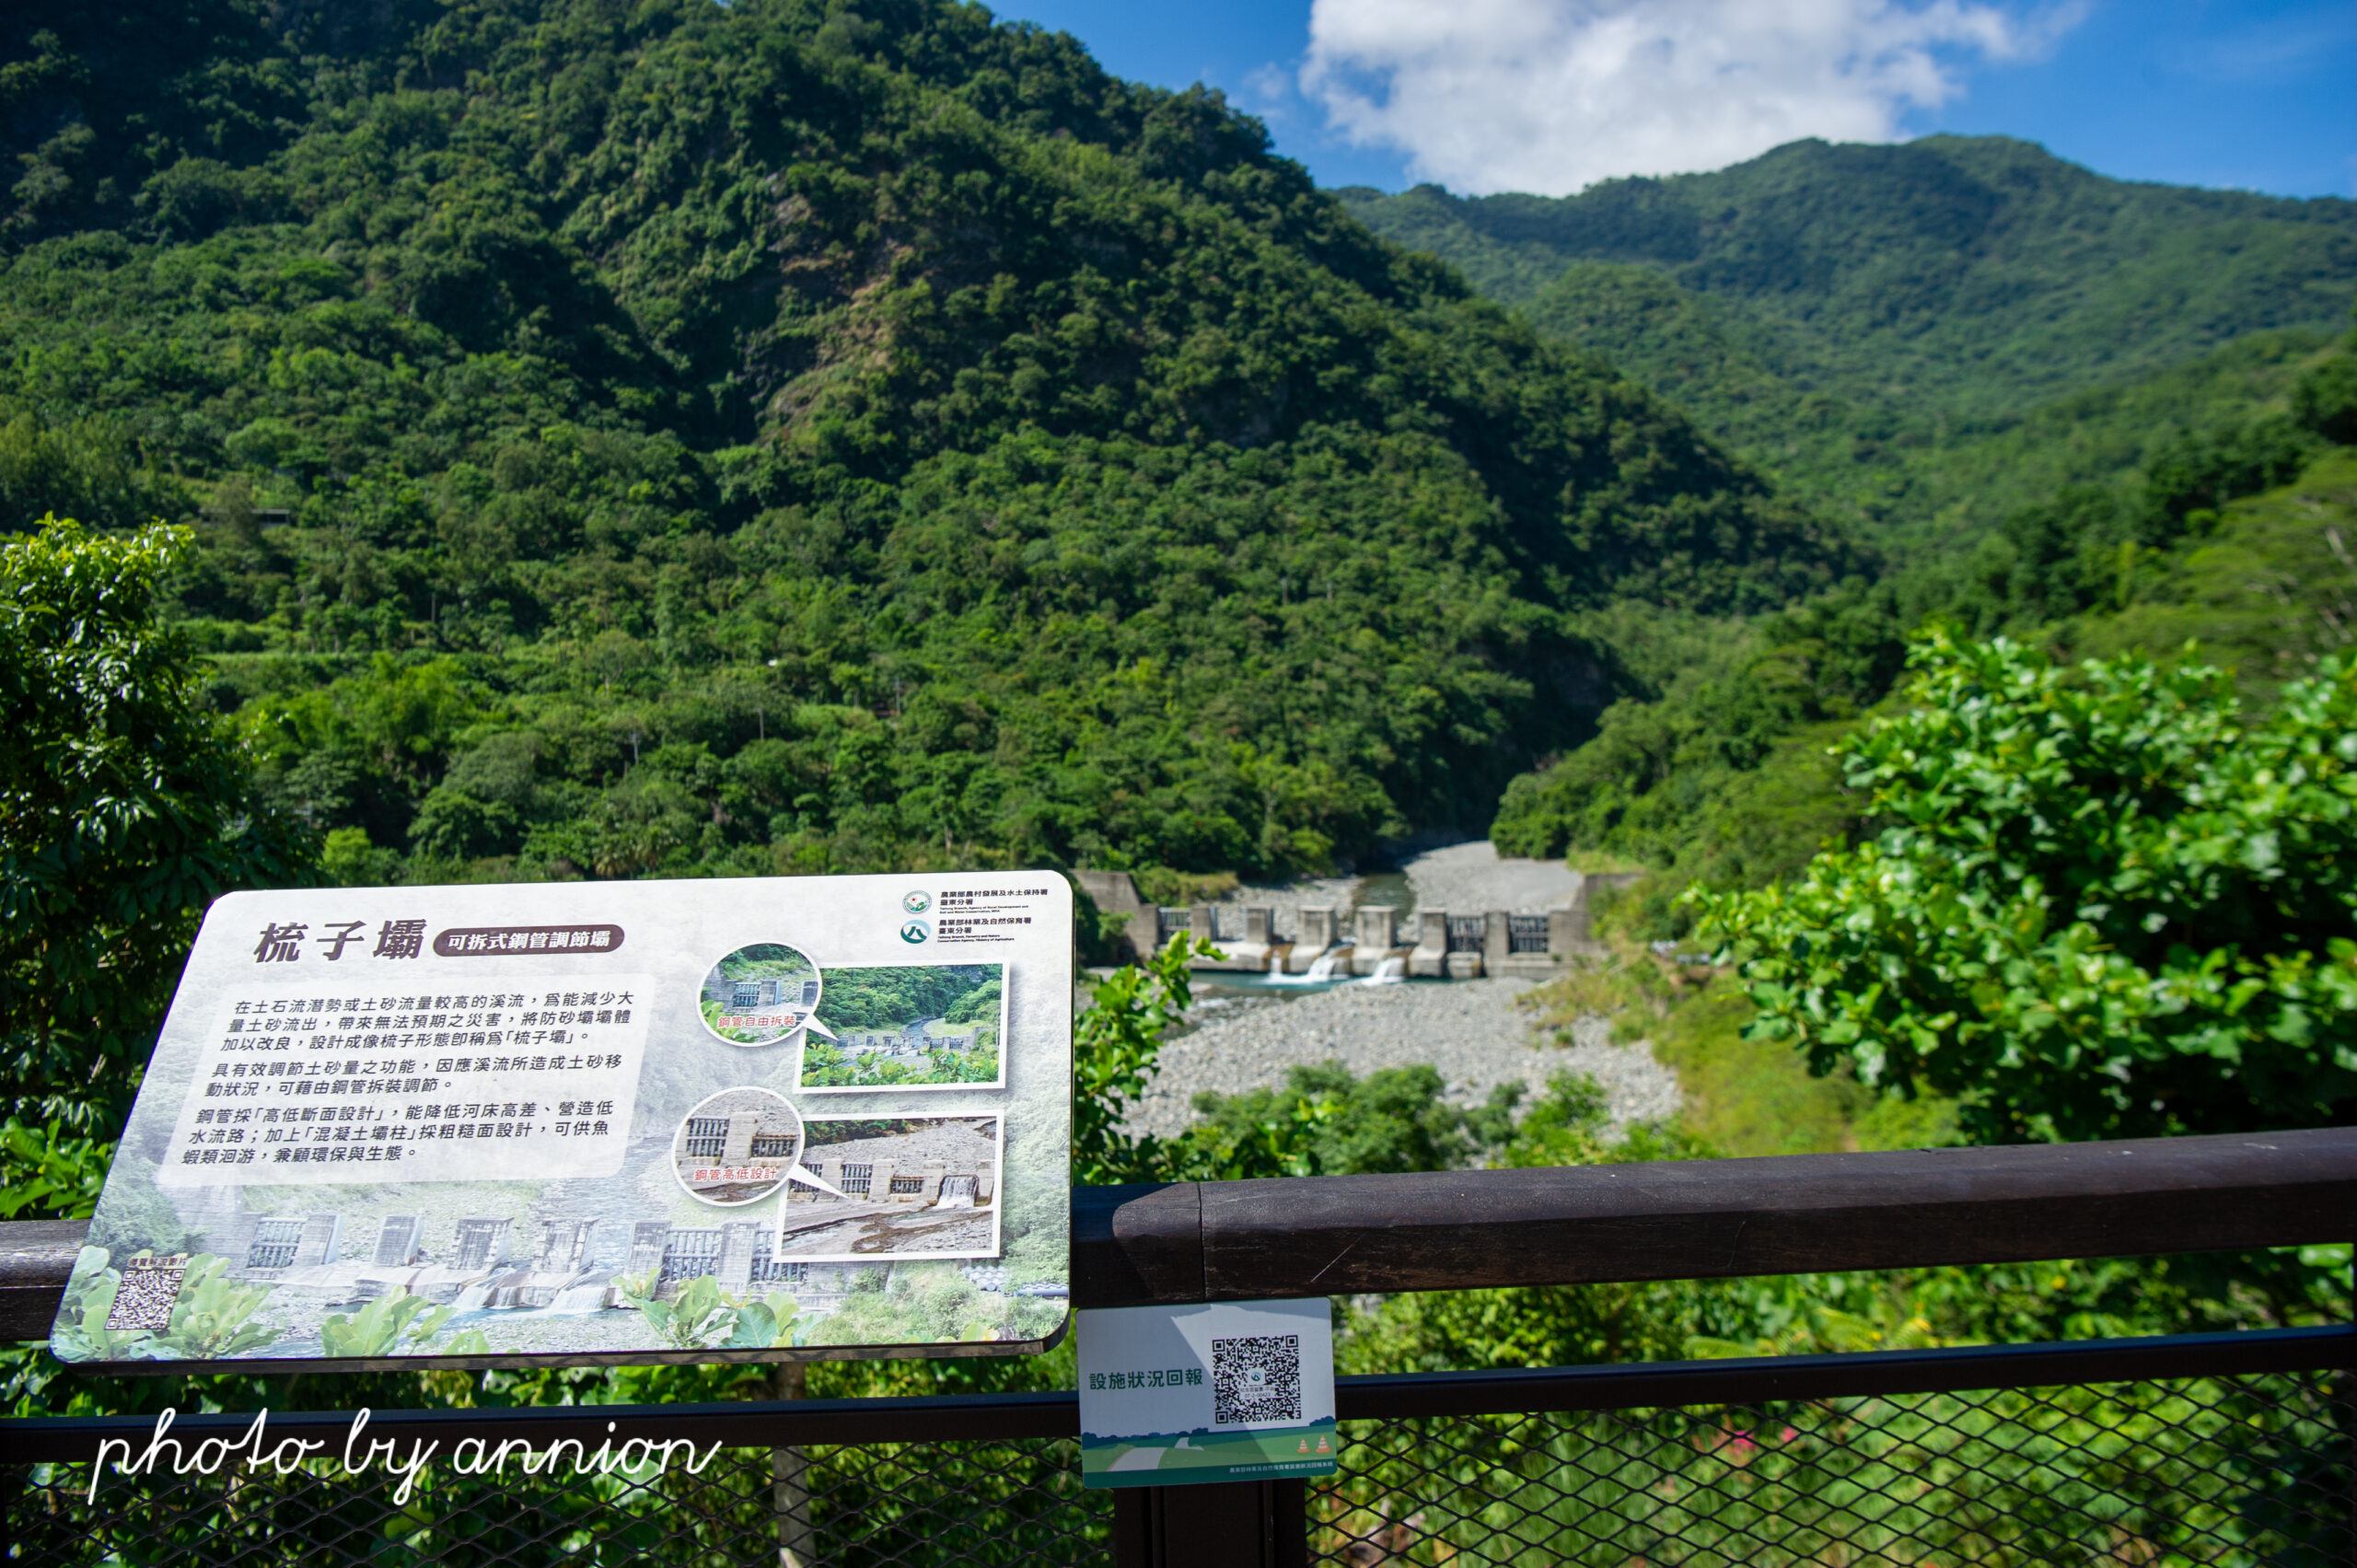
(36, 1259)
(1584, 1224)
(1701, 1219)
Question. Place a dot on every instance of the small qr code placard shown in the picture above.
(1256, 1380)
(1227, 1390)
(143, 1300)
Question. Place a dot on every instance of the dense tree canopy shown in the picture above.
(124, 812)
(2107, 904)
(699, 438)
(892, 999)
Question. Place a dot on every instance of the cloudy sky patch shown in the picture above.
(1550, 96)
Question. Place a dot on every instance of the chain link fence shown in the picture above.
(2227, 1471)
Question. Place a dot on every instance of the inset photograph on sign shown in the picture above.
(909, 1026)
(911, 1187)
(737, 1146)
(760, 995)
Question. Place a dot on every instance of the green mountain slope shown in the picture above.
(684, 438)
(2240, 543)
(1979, 270)
(1921, 337)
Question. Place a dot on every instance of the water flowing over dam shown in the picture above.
(1312, 943)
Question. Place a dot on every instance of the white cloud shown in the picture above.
(1550, 96)
(1269, 92)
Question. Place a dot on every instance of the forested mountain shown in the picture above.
(672, 438)
(1919, 337)
(691, 439)
(2237, 545)
(2098, 415)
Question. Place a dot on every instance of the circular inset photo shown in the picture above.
(760, 994)
(737, 1146)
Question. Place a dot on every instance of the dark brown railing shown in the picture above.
(1709, 1219)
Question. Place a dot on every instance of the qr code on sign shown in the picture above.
(1256, 1380)
(143, 1300)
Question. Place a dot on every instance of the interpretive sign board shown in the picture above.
(599, 1123)
(1230, 1391)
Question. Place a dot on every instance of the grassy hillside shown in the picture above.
(2267, 591)
(1923, 337)
(684, 438)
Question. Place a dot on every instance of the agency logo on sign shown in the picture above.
(917, 902)
(915, 931)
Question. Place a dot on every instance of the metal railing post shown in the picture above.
(1240, 1524)
(790, 1480)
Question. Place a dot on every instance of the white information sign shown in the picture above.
(598, 1122)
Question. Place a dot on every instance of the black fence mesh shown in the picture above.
(2211, 1470)
(2227, 1471)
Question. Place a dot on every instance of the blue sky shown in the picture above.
(1553, 94)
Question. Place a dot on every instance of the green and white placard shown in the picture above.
(599, 1123)
(1230, 1391)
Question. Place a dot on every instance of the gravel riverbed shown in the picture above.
(1470, 1030)
(1467, 879)
(1470, 878)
